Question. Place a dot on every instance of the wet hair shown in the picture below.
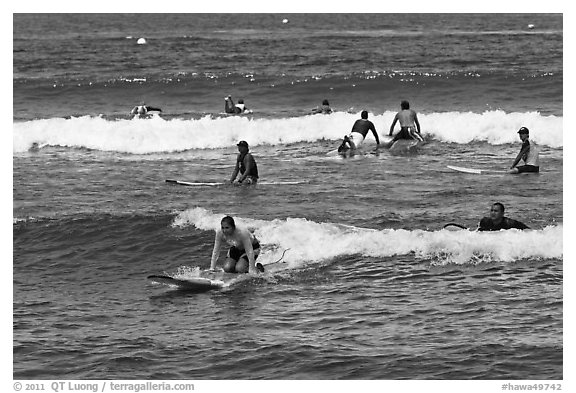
(364, 114)
(405, 104)
(501, 206)
(240, 101)
(325, 102)
(229, 220)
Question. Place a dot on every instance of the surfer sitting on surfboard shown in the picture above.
(244, 250)
(143, 109)
(529, 152)
(497, 221)
(239, 108)
(359, 131)
(409, 125)
(245, 165)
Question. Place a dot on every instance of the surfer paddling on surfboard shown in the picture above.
(245, 165)
(244, 248)
(529, 152)
(142, 110)
(497, 221)
(359, 131)
(409, 125)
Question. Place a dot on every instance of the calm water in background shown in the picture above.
(372, 288)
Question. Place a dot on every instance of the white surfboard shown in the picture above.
(212, 184)
(473, 170)
(195, 284)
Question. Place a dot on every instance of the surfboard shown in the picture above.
(404, 146)
(452, 226)
(472, 170)
(212, 184)
(197, 284)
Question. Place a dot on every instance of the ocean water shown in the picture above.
(370, 286)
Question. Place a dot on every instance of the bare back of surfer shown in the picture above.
(409, 124)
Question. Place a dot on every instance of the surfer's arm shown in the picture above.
(216, 250)
(393, 124)
(235, 172)
(373, 129)
(522, 153)
(417, 122)
(249, 252)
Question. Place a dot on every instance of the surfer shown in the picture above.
(409, 125)
(529, 152)
(143, 109)
(497, 221)
(245, 165)
(244, 248)
(324, 108)
(359, 131)
(239, 108)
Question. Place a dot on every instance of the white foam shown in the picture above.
(310, 241)
(144, 136)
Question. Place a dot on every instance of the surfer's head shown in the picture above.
(240, 101)
(497, 211)
(404, 105)
(242, 145)
(523, 133)
(325, 102)
(364, 114)
(228, 225)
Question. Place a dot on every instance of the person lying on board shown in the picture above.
(409, 125)
(143, 109)
(244, 248)
(324, 108)
(359, 131)
(498, 221)
(529, 152)
(245, 166)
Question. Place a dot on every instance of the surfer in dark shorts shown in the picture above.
(244, 248)
(529, 152)
(497, 221)
(359, 131)
(245, 165)
(409, 125)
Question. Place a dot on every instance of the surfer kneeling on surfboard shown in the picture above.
(529, 152)
(409, 125)
(244, 248)
(245, 165)
(497, 221)
(359, 131)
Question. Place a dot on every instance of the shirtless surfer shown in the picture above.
(358, 134)
(529, 152)
(244, 248)
(245, 165)
(409, 125)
